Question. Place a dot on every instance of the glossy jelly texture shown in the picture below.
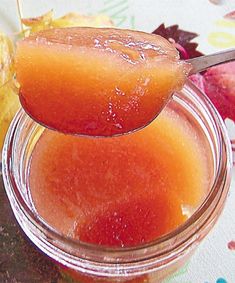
(121, 191)
(95, 81)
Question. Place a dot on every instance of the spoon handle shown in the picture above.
(202, 63)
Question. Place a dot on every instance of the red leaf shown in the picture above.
(182, 40)
(219, 85)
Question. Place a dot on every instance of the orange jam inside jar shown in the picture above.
(129, 208)
(122, 191)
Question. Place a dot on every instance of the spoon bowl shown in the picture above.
(101, 82)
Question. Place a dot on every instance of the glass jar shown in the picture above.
(151, 262)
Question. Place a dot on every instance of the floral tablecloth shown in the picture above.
(214, 261)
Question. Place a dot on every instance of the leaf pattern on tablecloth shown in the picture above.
(216, 2)
(231, 245)
(230, 15)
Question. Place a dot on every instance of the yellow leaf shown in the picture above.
(74, 19)
(36, 24)
(9, 104)
(41, 20)
(9, 101)
(6, 59)
(46, 21)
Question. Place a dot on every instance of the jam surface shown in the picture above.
(121, 191)
(98, 82)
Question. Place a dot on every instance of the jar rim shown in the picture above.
(219, 187)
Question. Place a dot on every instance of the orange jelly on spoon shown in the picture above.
(94, 81)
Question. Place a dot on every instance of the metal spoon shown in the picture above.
(202, 63)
